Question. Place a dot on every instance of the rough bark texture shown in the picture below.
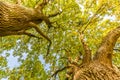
(97, 71)
(101, 67)
(16, 19)
(104, 53)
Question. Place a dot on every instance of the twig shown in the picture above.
(93, 17)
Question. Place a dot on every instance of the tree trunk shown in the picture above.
(100, 67)
(16, 19)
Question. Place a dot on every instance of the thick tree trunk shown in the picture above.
(101, 67)
(16, 19)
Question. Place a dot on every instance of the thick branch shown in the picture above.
(104, 53)
(22, 32)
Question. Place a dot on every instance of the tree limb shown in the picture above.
(22, 32)
(66, 67)
(36, 27)
(87, 51)
(53, 15)
(40, 6)
(104, 53)
(117, 50)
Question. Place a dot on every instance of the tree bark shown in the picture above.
(101, 67)
(16, 19)
(104, 53)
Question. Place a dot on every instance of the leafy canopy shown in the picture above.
(93, 18)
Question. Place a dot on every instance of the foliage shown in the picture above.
(93, 18)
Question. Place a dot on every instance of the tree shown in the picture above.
(75, 35)
(101, 66)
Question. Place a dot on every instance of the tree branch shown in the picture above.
(40, 6)
(66, 67)
(18, 2)
(87, 51)
(99, 10)
(55, 14)
(104, 53)
(36, 27)
(117, 50)
(22, 32)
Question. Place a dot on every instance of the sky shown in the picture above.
(13, 60)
